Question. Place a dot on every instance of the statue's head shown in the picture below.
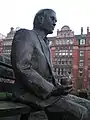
(45, 20)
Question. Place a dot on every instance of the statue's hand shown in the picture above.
(66, 81)
(62, 90)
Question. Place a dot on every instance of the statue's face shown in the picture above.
(49, 22)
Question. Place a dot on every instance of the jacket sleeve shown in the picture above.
(24, 47)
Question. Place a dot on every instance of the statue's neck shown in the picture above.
(40, 32)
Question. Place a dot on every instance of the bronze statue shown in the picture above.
(36, 85)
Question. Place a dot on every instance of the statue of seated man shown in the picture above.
(36, 85)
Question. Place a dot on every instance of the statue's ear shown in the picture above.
(40, 19)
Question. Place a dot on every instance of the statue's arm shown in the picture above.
(30, 78)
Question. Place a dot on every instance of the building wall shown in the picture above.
(1, 43)
(80, 57)
(52, 54)
(88, 58)
(82, 71)
(7, 42)
(75, 59)
(62, 52)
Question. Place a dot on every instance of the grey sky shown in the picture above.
(20, 13)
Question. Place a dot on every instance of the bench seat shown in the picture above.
(9, 108)
(12, 109)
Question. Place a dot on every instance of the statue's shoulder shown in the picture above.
(22, 31)
(26, 32)
(23, 34)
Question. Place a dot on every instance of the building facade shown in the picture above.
(88, 58)
(7, 42)
(81, 60)
(2, 37)
(62, 48)
(71, 55)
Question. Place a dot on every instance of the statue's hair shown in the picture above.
(41, 12)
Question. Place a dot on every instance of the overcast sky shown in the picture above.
(20, 13)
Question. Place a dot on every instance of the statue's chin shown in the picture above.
(50, 32)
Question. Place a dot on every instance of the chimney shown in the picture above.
(87, 29)
(81, 30)
(57, 31)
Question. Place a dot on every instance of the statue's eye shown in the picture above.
(53, 18)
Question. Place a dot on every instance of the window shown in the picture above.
(56, 53)
(70, 62)
(59, 53)
(70, 50)
(66, 53)
(63, 53)
(62, 62)
(68, 41)
(62, 71)
(71, 41)
(59, 62)
(58, 70)
(81, 60)
(64, 34)
(81, 53)
(55, 59)
(82, 41)
(80, 74)
(70, 53)
(80, 64)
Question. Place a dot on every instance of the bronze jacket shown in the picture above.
(32, 68)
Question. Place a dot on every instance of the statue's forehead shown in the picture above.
(51, 13)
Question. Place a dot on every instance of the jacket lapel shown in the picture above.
(47, 58)
(43, 46)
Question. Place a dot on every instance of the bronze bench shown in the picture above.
(9, 108)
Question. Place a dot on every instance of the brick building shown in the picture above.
(87, 58)
(71, 54)
(7, 42)
(1, 43)
(62, 46)
(81, 60)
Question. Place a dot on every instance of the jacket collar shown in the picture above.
(43, 36)
(39, 32)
